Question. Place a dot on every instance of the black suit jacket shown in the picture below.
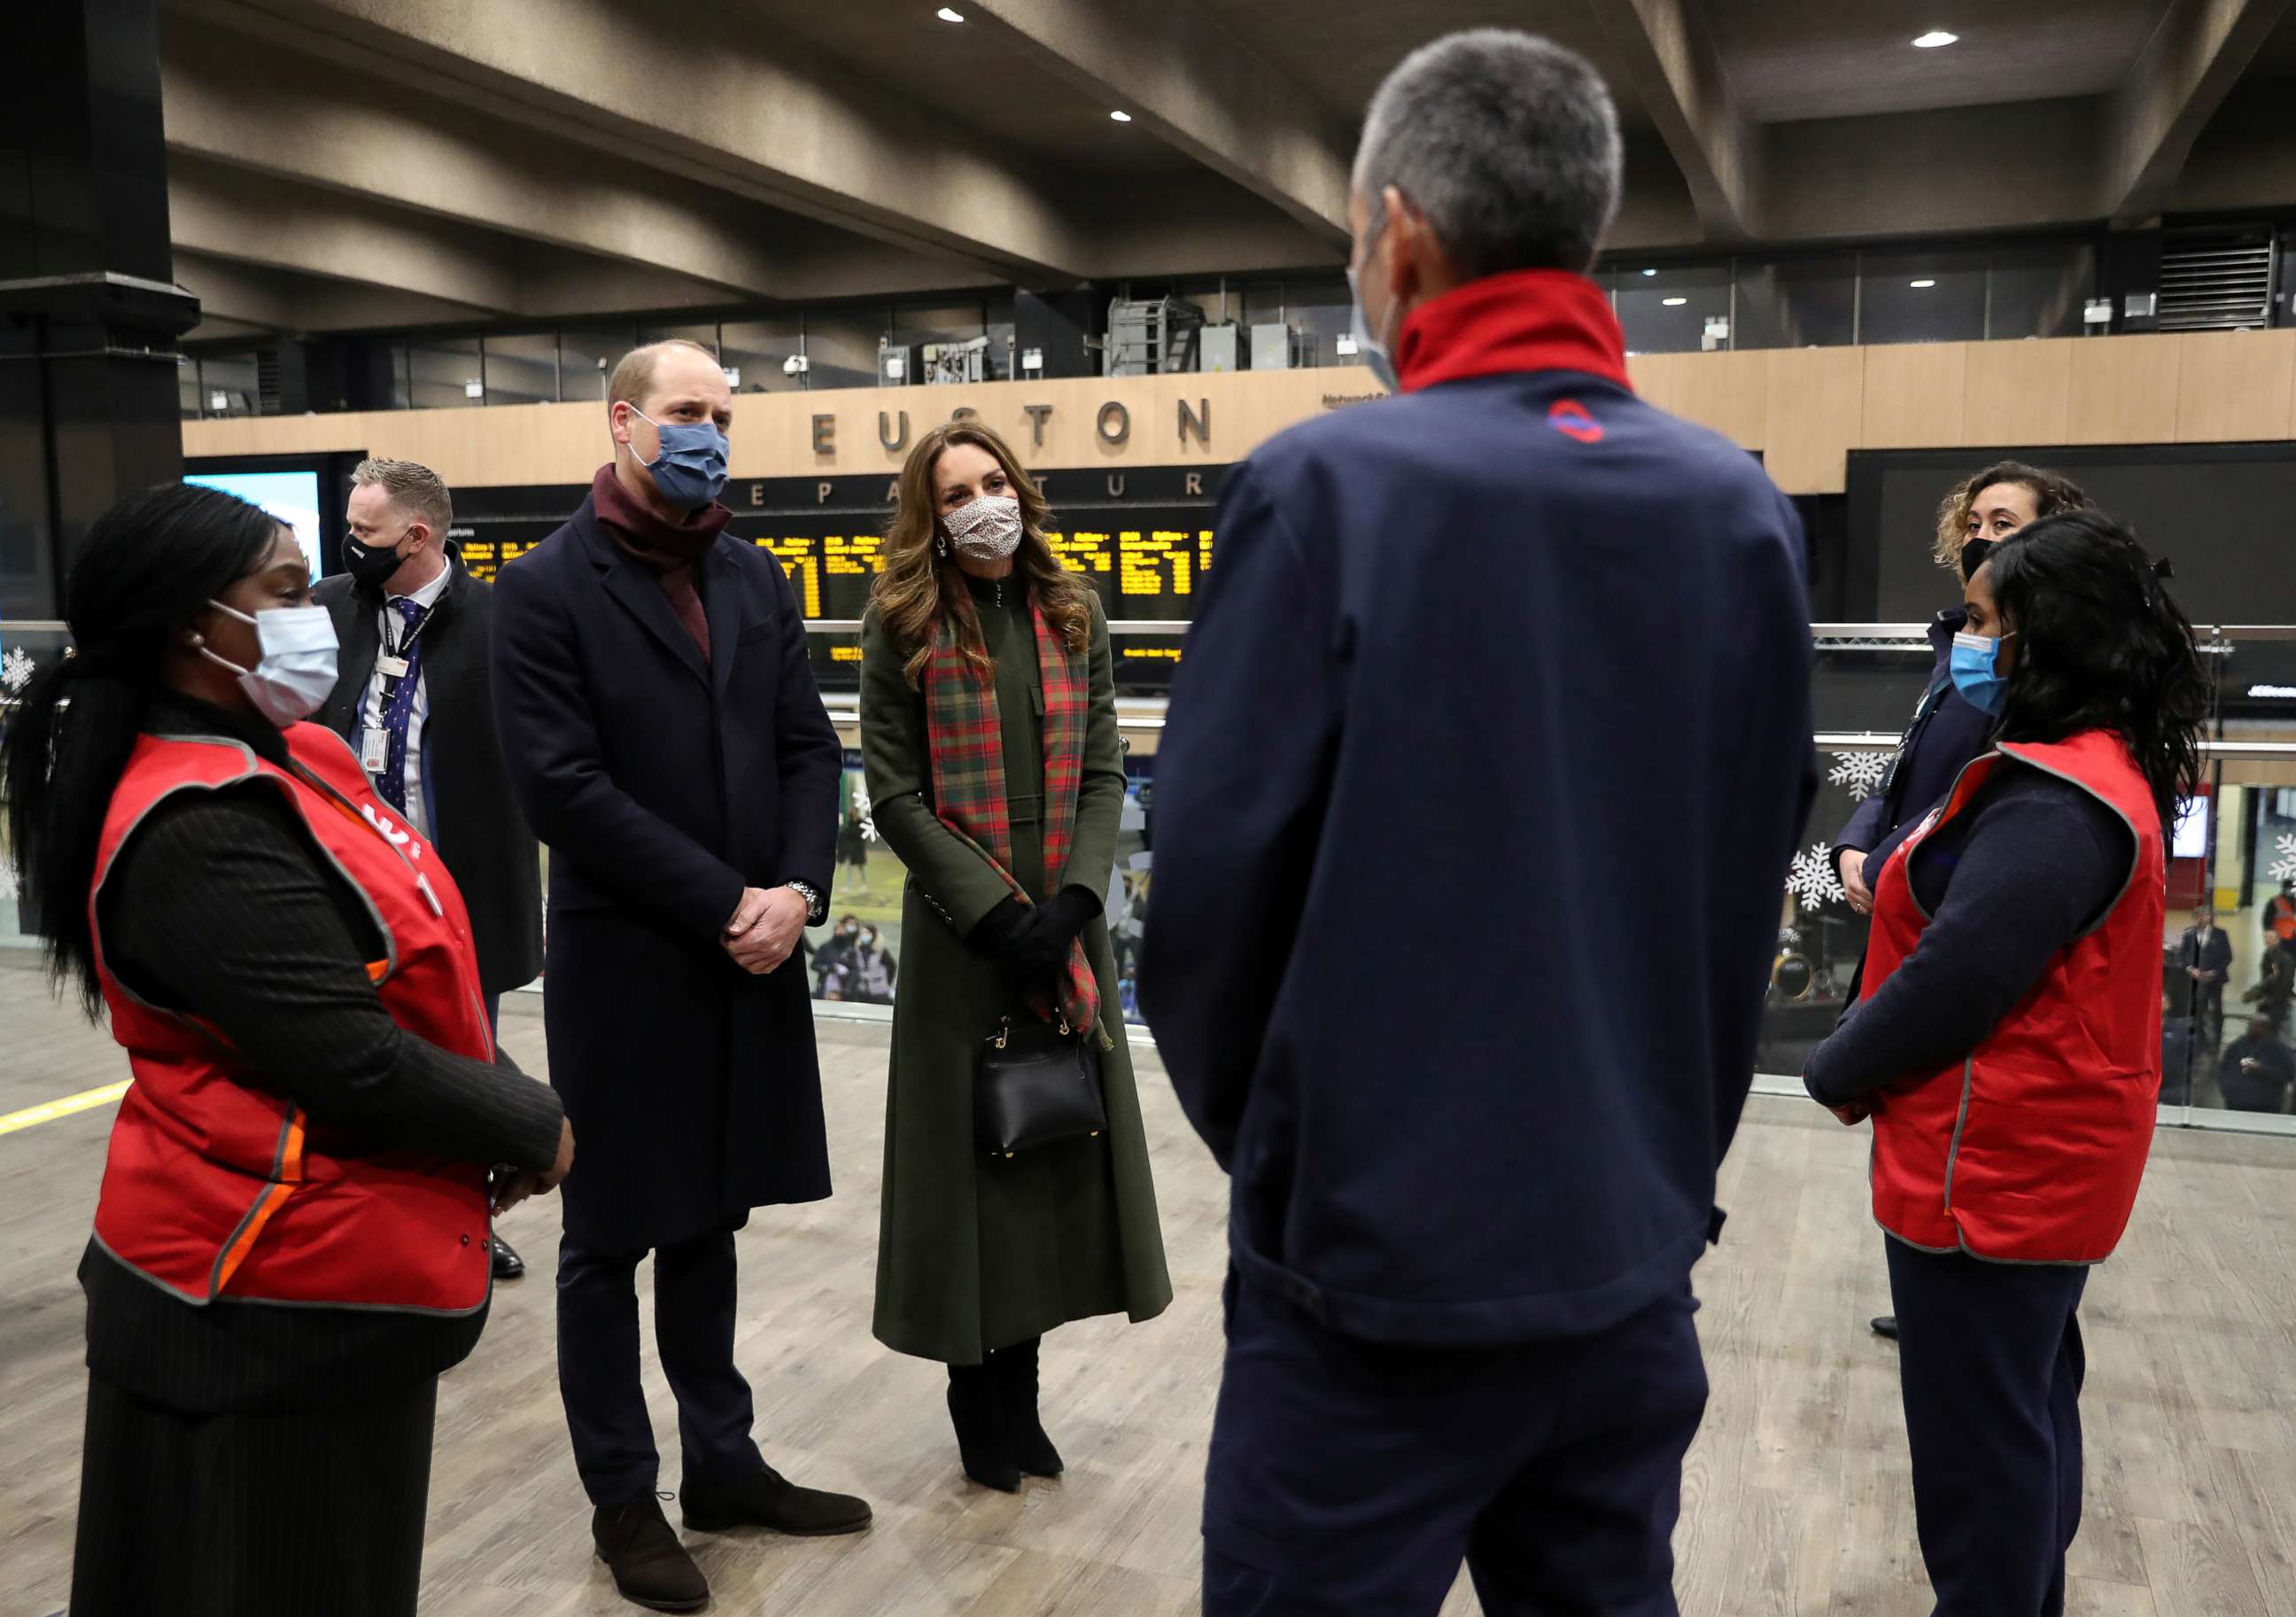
(474, 822)
(664, 785)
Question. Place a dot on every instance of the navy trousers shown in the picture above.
(694, 1302)
(1348, 1477)
(1989, 1358)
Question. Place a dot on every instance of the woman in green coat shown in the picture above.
(988, 726)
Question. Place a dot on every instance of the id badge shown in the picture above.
(391, 668)
(374, 749)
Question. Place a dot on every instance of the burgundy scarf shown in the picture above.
(666, 549)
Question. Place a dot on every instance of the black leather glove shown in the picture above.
(1031, 940)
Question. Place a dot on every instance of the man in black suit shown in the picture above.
(667, 740)
(2203, 962)
(415, 701)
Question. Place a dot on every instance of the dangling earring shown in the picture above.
(941, 544)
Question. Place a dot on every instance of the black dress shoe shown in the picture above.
(1886, 1325)
(1013, 1370)
(508, 1264)
(983, 1441)
(766, 1499)
(650, 1566)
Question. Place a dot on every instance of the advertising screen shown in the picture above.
(291, 497)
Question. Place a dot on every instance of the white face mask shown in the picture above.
(297, 670)
(986, 529)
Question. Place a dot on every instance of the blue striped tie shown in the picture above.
(392, 782)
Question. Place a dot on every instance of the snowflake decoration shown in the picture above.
(1813, 879)
(863, 806)
(16, 669)
(2284, 868)
(1859, 773)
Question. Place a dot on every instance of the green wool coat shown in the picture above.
(976, 1253)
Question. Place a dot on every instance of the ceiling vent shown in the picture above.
(2217, 280)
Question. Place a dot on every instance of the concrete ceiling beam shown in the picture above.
(2151, 119)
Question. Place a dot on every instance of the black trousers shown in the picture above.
(694, 1285)
(1989, 1358)
(304, 1512)
(1350, 1478)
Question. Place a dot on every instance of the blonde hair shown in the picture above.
(413, 487)
(633, 373)
(919, 587)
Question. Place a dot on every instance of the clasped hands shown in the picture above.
(1031, 942)
(512, 1185)
(764, 928)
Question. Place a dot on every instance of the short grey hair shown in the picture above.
(414, 489)
(1505, 141)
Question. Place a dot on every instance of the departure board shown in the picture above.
(1144, 538)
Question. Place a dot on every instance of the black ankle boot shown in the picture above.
(650, 1567)
(1013, 1370)
(975, 1410)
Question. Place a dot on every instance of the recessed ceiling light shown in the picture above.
(1121, 116)
(1650, 272)
(1674, 302)
(1935, 37)
(1920, 285)
(947, 15)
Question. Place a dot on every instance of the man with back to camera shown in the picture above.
(2257, 1072)
(666, 740)
(1946, 734)
(415, 701)
(1480, 633)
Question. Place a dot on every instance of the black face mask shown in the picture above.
(373, 564)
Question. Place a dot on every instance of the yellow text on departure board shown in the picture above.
(802, 563)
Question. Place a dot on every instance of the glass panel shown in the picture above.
(586, 357)
(1002, 335)
(855, 959)
(1323, 312)
(2038, 290)
(402, 385)
(227, 382)
(759, 349)
(1664, 309)
(522, 369)
(1923, 296)
(841, 345)
(189, 402)
(945, 322)
(1807, 299)
(444, 372)
(22, 652)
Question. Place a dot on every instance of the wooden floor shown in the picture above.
(1795, 1499)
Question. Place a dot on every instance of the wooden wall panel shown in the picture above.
(1914, 395)
(1804, 408)
(2123, 390)
(1813, 406)
(1728, 392)
(2233, 387)
(2016, 393)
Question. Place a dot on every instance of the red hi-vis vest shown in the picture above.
(214, 1187)
(2030, 1150)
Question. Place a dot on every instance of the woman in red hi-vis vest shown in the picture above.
(292, 1238)
(2007, 1042)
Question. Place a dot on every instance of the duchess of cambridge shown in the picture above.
(988, 726)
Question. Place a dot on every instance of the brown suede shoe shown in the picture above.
(766, 1499)
(650, 1566)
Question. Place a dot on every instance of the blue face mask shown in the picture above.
(1973, 657)
(1369, 349)
(691, 468)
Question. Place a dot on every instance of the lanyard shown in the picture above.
(1923, 708)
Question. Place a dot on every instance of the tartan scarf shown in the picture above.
(965, 739)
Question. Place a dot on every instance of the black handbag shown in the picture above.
(1038, 1082)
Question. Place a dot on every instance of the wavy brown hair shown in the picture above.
(919, 587)
(2051, 496)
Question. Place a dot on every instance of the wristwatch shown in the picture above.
(816, 904)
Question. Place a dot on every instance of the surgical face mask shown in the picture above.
(372, 564)
(1369, 349)
(296, 670)
(1973, 657)
(691, 468)
(986, 529)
